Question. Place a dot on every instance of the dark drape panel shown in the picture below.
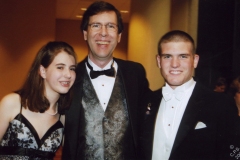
(218, 41)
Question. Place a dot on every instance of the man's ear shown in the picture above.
(42, 71)
(119, 37)
(195, 60)
(158, 61)
(85, 35)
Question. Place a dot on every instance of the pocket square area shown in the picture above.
(200, 125)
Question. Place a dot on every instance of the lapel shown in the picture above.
(78, 86)
(189, 118)
(129, 83)
(80, 70)
(152, 108)
(131, 89)
(151, 104)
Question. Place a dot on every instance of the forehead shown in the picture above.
(176, 47)
(107, 16)
(63, 57)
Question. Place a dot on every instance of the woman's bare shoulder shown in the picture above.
(9, 108)
(10, 103)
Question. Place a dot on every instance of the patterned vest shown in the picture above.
(105, 132)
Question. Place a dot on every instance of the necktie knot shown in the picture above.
(108, 72)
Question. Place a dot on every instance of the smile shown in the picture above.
(65, 83)
(102, 42)
(175, 72)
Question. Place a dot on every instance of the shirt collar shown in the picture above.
(183, 87)
(97, 68)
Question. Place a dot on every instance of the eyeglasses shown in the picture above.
(98, 26)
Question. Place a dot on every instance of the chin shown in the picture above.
(175, 84)
(63, 91)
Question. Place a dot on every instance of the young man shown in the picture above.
(103, 120)
(185, 120)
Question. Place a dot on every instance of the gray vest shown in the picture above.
(105, 131)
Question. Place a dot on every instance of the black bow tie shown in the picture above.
(108, 72)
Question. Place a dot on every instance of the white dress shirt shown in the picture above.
(103, 85)
(169, 117)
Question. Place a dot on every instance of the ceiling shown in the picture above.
(69, 9)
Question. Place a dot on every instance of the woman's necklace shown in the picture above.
(53, 114)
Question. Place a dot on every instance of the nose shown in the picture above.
(103, 31)
(175, 62)
(67, 73)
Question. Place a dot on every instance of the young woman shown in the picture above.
(31, 125)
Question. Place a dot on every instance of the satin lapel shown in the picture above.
(189, 118)
(152, 110)
(78, 87)
(147, 133)
(130, 85)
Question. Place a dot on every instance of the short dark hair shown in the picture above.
(99, 7)
(176, 36)
(32, 91)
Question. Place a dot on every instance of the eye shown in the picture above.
(60, 67)
(96, 25)
(166, 56)
(183, 56)
(73, 68)
(112, 26)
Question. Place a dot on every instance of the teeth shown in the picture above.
(175, 72)
(65, 82)
(102, 42)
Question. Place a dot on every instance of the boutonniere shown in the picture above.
(148, 108)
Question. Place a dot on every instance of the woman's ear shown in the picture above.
(42, 71)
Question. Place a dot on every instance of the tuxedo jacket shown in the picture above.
(217, 111)
(135, 86)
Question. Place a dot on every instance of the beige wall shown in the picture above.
(69, 31)
(150, 19)
(24, 27)
(184, 16)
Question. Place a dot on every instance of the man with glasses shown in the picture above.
(103, 120)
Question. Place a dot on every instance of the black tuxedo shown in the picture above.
(216, 110)
(135, 86)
